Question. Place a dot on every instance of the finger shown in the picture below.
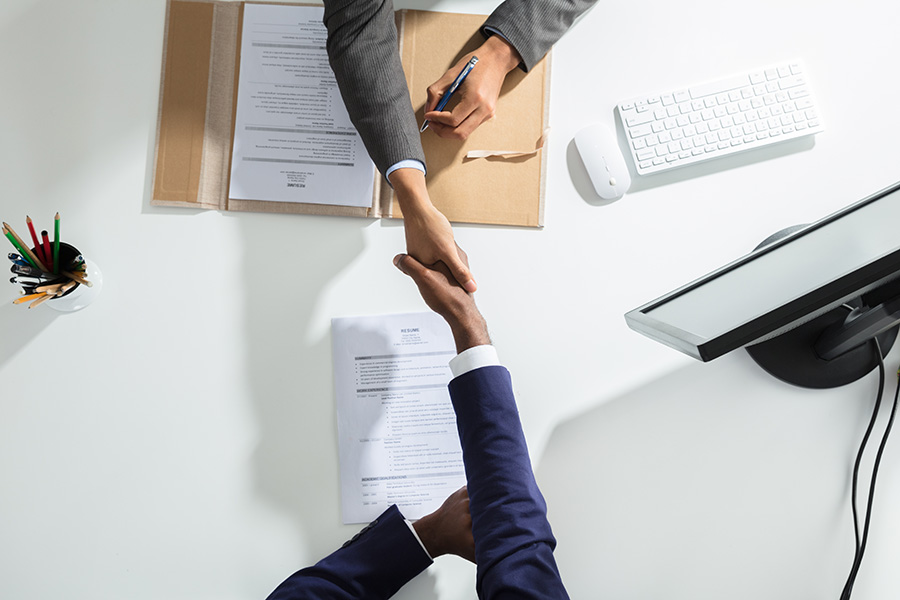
(456, 116)
(463, 257)
(434, 96)
(436, 90)
(441, 130)
(462, 274)
(408, 265)
(465, 129)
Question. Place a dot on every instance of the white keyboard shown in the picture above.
(719, 118)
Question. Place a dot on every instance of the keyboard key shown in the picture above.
(789, 82)
(719, 118)
(717, 87)
(639, 131)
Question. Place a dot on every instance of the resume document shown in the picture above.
(293, 139)
(396, 426)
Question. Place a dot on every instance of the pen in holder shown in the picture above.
(84, 273)
(55, 274)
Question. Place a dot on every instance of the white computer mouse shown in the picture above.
(603, 160)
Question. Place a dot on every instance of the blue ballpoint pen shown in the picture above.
(456, 83)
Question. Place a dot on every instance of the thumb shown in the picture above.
(436, 90)
(463, 275)
(408, 265)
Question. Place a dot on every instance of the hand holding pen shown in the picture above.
(479, 96)
(456, 83)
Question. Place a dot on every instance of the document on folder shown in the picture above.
(396, 426)
(293, 139)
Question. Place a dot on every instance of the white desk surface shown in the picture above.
(176, 439)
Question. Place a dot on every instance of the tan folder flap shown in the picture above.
(494, 191)
(182, 103)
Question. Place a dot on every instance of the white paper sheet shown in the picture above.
(396, 426)
(293, 139)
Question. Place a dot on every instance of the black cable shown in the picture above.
(859, 454)
(861, 543)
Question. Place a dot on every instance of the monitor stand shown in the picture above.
(793, 357)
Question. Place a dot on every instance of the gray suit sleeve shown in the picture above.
(362, 49)
(533, 26)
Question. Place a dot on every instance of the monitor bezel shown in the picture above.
(765, 326)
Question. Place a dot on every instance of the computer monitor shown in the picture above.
(807, 303)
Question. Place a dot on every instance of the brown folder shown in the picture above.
(198, 95)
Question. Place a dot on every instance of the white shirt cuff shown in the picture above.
(409, 163)
(474, 358)
(495, 31)
(418, 539)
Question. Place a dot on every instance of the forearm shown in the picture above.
(362, 50)
(513, 540)
(532, 27)
(411, 191)
(376, 563)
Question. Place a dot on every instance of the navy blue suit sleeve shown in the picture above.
(375, 564)
(513, 541)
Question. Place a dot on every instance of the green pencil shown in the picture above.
(18, 246)
(56, 244)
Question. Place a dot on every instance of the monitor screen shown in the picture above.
(781, 284)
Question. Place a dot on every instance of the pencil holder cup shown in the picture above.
(80, 295)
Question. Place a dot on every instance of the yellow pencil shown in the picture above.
(40, 301)
(28, 297)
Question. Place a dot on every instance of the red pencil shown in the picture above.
(49, 261)
(34, 238)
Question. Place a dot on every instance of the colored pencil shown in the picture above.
(66, 287)
(13, 241)
(50, 288)
(49, 260)
(77, 278)
(56, 243)
(40, 300)
(23, 248)
(28, 297)
(34, 238)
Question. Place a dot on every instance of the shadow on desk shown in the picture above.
(289, 363)
(21, 326)
(714, 481)
(639, 183)
(289, 370)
